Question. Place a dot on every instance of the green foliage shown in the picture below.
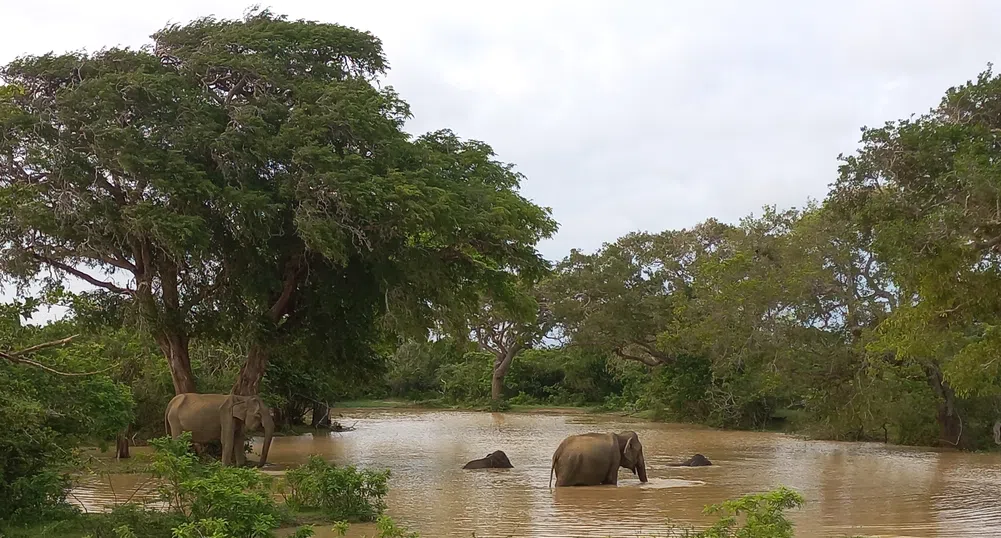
(131, 520)
(467, 381)
(413, 370)
(763, 513)
(550, 376)
(221, 180)
(295, 384)
(389, 529)
(385, 526)
(561, 376)
(341, 493)
(44, 415)
(215, 501)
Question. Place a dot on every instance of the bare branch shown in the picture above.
(870, 282)
(39, 347)
(83, 276)
(17, 357)
(238, 87)
(649, 361)
(207, 291)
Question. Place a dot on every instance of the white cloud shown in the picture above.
(630, 115)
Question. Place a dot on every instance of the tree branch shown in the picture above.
(870, 282)
(207, 291)
(83, 276)
(45, 345)
(292, 269)
(645, 360)
(235, 89)
(653, 357)
(17, 357)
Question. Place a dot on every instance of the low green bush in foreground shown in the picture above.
(340, 493)
(212, 501)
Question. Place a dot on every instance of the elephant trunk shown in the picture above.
(641, 468)
(269, 430)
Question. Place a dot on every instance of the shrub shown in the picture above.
(131, 518)
(467, 381)
(764, 516)
(43, 416)
(341, 493)
(206, 494)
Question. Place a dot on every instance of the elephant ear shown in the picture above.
(240, 406)
(254, 408)
(631, 452)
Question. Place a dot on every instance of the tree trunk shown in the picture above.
(122, 444)
(248, 383)
(949, 421)
(497, 387)
(175, 349)
(501, 365)
(321, 415)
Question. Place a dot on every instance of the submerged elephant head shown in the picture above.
(632, 454)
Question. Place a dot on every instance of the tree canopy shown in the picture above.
(236, 171)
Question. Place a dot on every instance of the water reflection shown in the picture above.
(850, 488)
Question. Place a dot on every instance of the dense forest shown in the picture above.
(251, 216)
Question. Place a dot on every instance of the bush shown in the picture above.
(43, 416)
(467, 381)
(205, 493)
(341, 493)
(764, 516)
(415, 368)
(133, 518)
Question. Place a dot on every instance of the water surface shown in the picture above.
(850, 488)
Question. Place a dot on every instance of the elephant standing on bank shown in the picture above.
(591, 459)
(215, 417)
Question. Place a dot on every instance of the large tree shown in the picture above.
(238, 166)
(927, 191)
(506, 328)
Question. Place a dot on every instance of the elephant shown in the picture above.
(215, 417)
(697, 460)
(494, 460)
(591, 459)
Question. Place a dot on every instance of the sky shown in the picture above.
(623, 116)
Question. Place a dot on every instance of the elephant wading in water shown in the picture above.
(591, 459)
(215, 417)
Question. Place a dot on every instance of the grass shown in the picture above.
(398, 403)
(390, 403)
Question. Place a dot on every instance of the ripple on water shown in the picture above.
(850, 488)
(99, 493)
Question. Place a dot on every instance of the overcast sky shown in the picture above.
(629, 115)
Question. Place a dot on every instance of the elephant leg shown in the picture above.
(239, 438)
(612, 477)
(173, 427)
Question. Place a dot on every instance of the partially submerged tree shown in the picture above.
(232, 168)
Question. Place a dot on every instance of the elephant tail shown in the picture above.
(552, 467)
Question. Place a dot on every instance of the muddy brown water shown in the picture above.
(850, 488)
